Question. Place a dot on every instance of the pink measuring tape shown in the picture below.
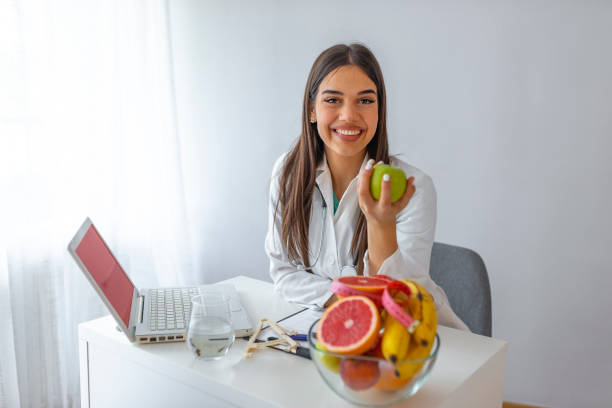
(385, 300)
(342, 290)
(396, 310)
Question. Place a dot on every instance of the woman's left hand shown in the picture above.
(381, 212)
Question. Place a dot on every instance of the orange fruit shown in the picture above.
(371, 284)
(349, 326)
(388, 381)
(359, 374)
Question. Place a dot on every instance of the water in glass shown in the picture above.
(210, 333)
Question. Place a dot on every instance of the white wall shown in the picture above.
(507, 104)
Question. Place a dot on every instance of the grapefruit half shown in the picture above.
(370, 284)
(349, 326)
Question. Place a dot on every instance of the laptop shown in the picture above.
(156, 315)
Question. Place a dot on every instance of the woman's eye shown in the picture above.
(331, 100)
(367, 101)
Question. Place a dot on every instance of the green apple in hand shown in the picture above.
(398, 181)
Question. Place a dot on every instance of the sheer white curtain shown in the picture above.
(87, 128)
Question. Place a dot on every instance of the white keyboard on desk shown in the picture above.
(170, 308)
(166, 312)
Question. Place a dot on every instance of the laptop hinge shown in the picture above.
(140, 308)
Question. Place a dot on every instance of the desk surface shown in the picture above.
(470, 368)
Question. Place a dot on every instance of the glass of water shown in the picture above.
(210, 334)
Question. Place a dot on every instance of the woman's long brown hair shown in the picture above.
(297, 181)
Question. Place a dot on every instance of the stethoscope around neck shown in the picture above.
(346, 270)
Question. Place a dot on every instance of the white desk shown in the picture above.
(115, 373)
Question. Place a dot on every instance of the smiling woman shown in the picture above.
(344, 132)
(346, 114)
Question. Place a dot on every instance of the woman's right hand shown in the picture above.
(381, 217)
(381, 212)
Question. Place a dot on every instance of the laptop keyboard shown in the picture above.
(170, 308)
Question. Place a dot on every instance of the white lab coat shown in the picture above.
(330, 237)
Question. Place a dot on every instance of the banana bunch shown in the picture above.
(421, 307)
(395, 340)
(398, 344)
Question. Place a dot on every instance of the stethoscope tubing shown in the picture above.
(302, 267)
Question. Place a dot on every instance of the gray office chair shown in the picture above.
(463, 276)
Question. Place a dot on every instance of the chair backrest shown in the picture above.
(463, 276)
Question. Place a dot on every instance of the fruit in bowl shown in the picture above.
(359, 374)
(375, 351)
(368, 380)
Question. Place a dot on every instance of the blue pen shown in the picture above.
(299, 337)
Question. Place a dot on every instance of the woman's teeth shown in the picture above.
(348, 132)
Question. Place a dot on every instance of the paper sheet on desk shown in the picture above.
(300, 322)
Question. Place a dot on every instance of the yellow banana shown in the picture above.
(406, 369)
(421, 307)
(429, 321)
(413, 304)
(395, 340)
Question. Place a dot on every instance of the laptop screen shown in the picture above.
(106, 271)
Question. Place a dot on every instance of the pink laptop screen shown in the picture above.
(106, 271)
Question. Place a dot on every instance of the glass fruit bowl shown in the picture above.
(368, 380)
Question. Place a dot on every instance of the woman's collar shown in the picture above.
(322, 167)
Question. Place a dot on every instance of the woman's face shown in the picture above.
(346, 111)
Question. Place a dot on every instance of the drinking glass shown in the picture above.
(210, 334)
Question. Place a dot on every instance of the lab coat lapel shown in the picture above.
(326, 264)
(349, 209)
(339, 229)
(324, 182)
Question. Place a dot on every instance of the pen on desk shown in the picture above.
(299, 337)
